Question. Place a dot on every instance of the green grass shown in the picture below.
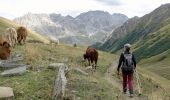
(158, 64)
(156, 69)
(92, 88)
(38, 85)
(32, 85)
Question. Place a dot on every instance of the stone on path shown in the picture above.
(6, 92)
(55, 65)
(79, 70)
(14, 71)
(89, 67)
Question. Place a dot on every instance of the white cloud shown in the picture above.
(16, 8)
(111, 2)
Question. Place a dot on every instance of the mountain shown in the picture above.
(149, 35)
(32, 36)
(86, 28)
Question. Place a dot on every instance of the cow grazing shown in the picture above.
(5, 50)
(22, 35)
(75, 45)
(92, 56)
(11, 36)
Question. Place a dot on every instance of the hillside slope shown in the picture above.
(149, 34)
(5, 23)
(38, 82)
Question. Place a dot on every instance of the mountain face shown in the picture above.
(149, 35)
(86, 28)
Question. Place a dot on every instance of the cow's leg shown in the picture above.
(19, 40)
(89, 61)
(95, 64)
(24, 39)
(92, 63)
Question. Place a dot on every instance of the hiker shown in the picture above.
(127, 63)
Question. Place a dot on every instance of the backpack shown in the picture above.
(128, 64)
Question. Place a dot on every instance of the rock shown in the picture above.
(79, 70)
(12, 60)
(89, 67)
(60, 84)
(55, 65)
(10, 65)
(6, 92)
(14, 71)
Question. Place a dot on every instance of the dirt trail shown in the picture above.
(116, 83)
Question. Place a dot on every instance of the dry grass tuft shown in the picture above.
(33, 53)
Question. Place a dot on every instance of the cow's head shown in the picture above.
(7, 46)
(85, 56)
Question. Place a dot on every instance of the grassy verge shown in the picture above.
(156, 71)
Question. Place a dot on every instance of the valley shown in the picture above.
(149, 36)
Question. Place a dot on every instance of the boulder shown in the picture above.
(6, 93)
(79, 70)
(55, 65)
(88, 67)
(12, 60)
(10, 65)
(15, 71)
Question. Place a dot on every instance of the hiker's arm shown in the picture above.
(134, 60)
(120, 62)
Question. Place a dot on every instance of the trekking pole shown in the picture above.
(138, 82)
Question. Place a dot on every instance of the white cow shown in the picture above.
(11, 36)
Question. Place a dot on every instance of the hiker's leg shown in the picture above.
(124, 82)
(130, 82)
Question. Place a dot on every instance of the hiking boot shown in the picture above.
(131, 95)
(124, 91)
(131, 91)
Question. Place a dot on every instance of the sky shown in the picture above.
(16, 8)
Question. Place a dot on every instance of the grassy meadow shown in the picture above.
(37, 83)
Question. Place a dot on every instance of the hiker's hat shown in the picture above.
(127, 45)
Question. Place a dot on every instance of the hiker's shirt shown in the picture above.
(122, 60)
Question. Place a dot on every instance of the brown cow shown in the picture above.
(22, 35)
(5, 50)
(91, 55)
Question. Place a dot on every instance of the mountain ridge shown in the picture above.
(32, 36)
(91, 25)
(149, 33)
